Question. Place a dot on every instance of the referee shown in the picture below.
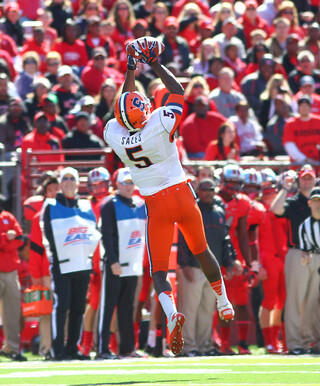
(299, 303)
(309, 237)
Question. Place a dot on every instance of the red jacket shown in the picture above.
(248, 27)
(9, 258)
(92, 78)
(42, 51)
(198, 132)
(72, 54)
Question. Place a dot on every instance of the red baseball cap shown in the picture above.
(206, 24)
(307, 171)
(39, 115)
(171, 21)
(251, 3)
(12, 6)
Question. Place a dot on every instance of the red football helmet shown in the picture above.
(132, 110)
(98, 182)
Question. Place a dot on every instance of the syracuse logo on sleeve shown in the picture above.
(78, 234)
(135, 239)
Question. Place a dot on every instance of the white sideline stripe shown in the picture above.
(133, 363)
(48, 373)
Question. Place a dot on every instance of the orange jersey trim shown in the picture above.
(175, 103)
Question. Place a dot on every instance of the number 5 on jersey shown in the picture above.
(140, 162)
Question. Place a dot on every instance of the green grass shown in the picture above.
(257, 369)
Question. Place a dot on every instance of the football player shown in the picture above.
(144, 141)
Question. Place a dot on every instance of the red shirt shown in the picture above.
(36, 141)
(42, 51)
(9, 260)
(213, 152)
(198, 132)
(72, 54)
(92, 78)
(31, 207)
(238, 207)
(305, 134)
(248, 27)
(8, 44)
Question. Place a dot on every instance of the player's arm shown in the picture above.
(168, 79)
(243, 238)
(129, 84)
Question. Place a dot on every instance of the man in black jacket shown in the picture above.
(195, 298)
(82, 138)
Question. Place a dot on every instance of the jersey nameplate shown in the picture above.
(134, 139)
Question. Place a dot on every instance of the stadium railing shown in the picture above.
(34, 169)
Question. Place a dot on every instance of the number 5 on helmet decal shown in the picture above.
(144, 161)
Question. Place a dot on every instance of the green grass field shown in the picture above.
(238, 370)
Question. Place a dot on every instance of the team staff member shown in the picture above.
(69, 228)
(123, 236)
(98, 185)
(310, 245)
(298, 323)
(301, 134)
(145, 142)
(10, 233)
(195, 298)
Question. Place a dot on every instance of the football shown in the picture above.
(133, 47)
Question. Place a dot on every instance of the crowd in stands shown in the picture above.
(251, 73)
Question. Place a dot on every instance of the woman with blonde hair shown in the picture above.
(225, 11)
(208, 48)
(288, 10)
(30, 65)
(156, 25)
(197, 86)
(276, 85)
(123, 15)
(188, 20)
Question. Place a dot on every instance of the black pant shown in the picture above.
(69, 292)
(117, 291)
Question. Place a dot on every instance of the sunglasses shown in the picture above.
(225, 11)
(30, 62)
(287, 12)
(53, 64)
(127, 183)
(207, 189)
(68, 179)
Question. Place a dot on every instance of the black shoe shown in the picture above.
(312, 351)
(192, 354)
(148, 349)
(296, 351)
(59, 358)
(212, 353)
(106, 355)
(158, 349)
(47, 356)
(78, 356)
(15, 357)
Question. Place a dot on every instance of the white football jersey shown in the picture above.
(153, 160)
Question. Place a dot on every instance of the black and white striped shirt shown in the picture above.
(309, 235)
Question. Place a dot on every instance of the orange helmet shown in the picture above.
(132, 110)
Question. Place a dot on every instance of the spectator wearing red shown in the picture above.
(50, 34)
(233, 61)
(93, 38)
(96, 72)
(123, 15)
(39, 45)
(66, 90)
(8, 44)
(177, 48)
(72, 50)
(302, 133)
(188, 21)
(58, 126)
(251, 21)
(40, 138)
(10, 241)
(11, 24)
(5, 56)
(205, 31)
(196, 87)
(180, 4)
(307, 87)
(225, 147)
(200, 128)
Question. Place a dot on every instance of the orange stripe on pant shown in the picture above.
(174, 204)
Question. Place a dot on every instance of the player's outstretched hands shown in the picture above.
(131, 62)
(146, 51)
